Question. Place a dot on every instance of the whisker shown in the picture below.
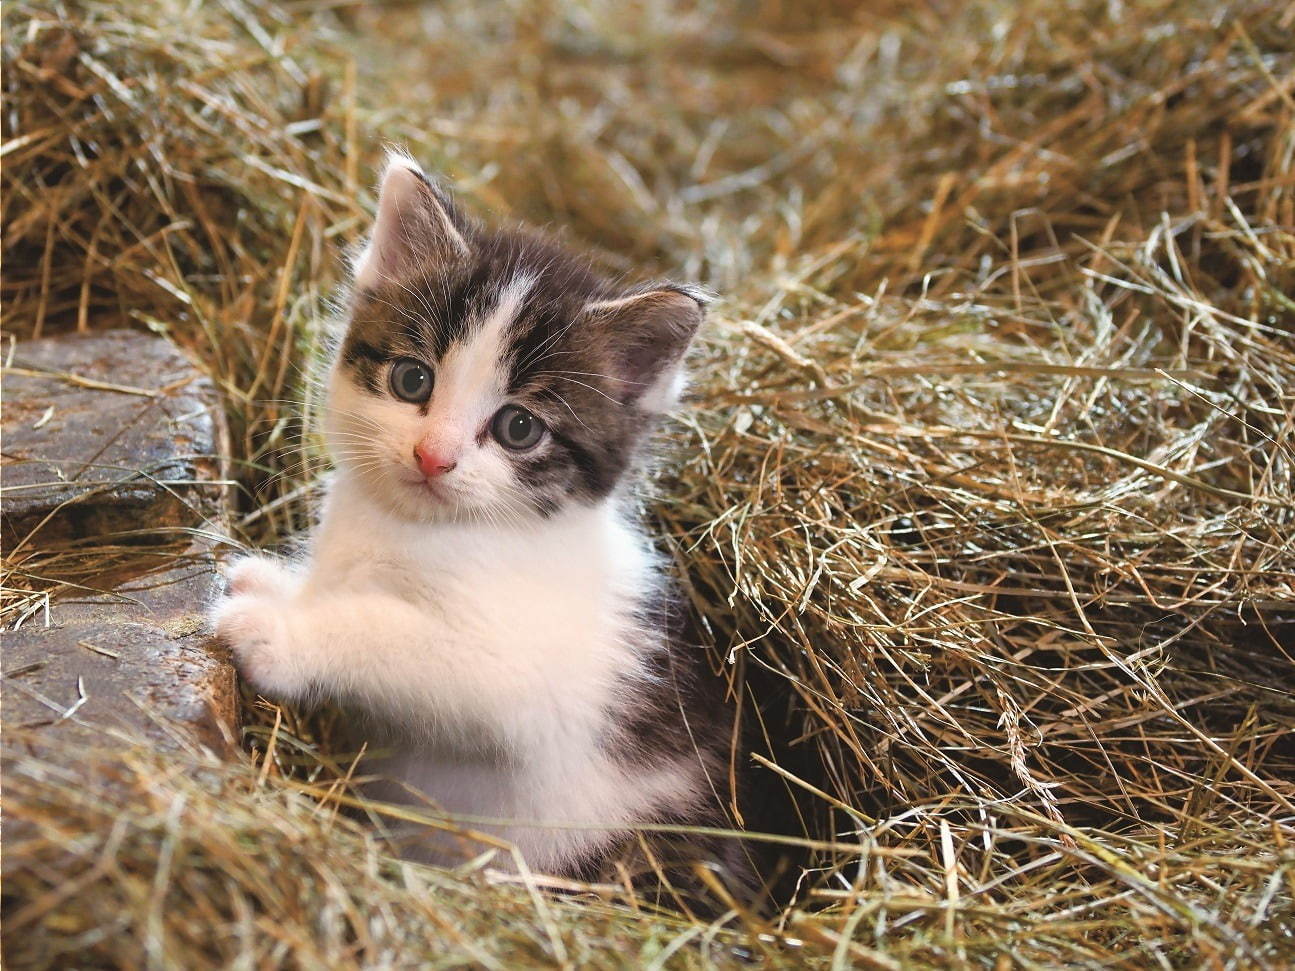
(562, 377)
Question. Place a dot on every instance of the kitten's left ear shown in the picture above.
(649, 331)
(417, 224)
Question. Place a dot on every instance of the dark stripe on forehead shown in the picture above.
(412, 318)
(417, 332)
(462, 305)
(535, 340)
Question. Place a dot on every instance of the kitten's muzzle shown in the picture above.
(433, 462)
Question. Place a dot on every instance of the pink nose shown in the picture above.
(432, 462)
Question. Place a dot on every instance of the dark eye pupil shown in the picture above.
(519, 427)
(412, 382)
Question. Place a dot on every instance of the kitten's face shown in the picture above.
(490, 376)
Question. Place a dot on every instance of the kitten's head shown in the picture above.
(490, 375)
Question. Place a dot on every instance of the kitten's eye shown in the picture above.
(411, 380)
(516, 428)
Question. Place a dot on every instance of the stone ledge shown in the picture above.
(135, 659)
(111, 441)
(107, 433)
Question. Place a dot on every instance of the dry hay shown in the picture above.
(987, 490)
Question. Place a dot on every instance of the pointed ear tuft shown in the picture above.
(417, 223)
(649, 331)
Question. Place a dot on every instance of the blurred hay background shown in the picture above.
(986, 496)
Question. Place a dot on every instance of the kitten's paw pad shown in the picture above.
(259, 576)
(256, 630)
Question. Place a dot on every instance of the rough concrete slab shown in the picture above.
(110, 440)
(105, 433)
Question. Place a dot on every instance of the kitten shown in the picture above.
(479, 583)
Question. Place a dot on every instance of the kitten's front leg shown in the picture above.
(258, 631)
(257, 573)
(378, 650)
(253, 619)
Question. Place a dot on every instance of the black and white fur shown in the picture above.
(508, 621)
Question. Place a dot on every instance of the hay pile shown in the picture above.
(988, 490)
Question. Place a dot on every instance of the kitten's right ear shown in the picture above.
(649, 331)
(417, 224)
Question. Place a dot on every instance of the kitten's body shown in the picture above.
(493, 604)
(519, 713)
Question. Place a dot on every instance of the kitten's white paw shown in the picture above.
(260, 575)
(256, 630)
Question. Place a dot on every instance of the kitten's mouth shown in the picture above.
(425, 487)
(438, 491)
(424, 500)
